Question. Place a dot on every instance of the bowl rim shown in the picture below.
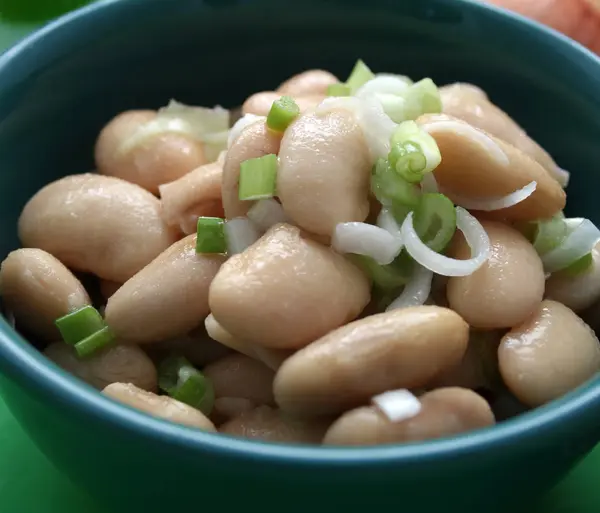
(25, 365)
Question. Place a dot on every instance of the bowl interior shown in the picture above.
(56, 94)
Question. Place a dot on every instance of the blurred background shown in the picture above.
(578, 19)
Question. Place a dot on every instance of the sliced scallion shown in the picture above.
(435, 221)
(408, 160)
(408, 135)
(338, 90)
(391, 189)
(94, 342)
(210, 235)
(79, 324)
(282, 113)
(183, 382)
(549, 234)
(360, 75)
(421, 98)
(386, 277)
(258, 178)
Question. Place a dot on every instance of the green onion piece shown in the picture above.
(386, 277)
(282, 113)
(579, 266)
(421, 98)
(210, 235)
(409, 132)
(338, 90)
(408, 160)
(183, 382)
(360, 75)
(258, 177)
(435, 221)
(95, 342)
(79, 324)
(549, 234)
(391, 189)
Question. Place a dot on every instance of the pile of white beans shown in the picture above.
(287, 330)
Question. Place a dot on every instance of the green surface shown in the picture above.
(105, 71)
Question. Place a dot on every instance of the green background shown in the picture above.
(29, 484)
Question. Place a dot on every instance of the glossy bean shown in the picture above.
(260, 104)
(398, 349)
(310, 82)
(97, 224)
(303, 288)
(167, 299)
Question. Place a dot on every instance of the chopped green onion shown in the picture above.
(391, 189)
(360, 75)
(549, 234)
(183, 382)
(409, 132)
(338, 90)
(210, 235)
(94, 342)
(282, 113)
(258, 178)
(79, 324)
(386, 277)
(408, 160)
(579, 266)
(435, 221)
(421, 98)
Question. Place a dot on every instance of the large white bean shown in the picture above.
(478, 165)
(149, 161)
(324, 171)
(255, 141)
(268, 424)
(577, 292)
(260, 104)
(444, 412)
(167, 299)
(97, 224)
(160, 406)
(309, 82)
(118, 364)
(471, 104)
(506, 289)
(38, 289)
(197, 193)
(550, 354)
(285, 291)
(345, 368)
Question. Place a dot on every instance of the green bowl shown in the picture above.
(57, 89)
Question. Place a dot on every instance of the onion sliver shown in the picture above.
(416, 291)
(481, 138)
(377, 128)
(475, 236)
(579, 242)
(562, 176)
(387, 84)
(366, 239)
(240, 125)
(240, 234)
(397, 405)
(495, 203)
(266, 213)
(386, 220)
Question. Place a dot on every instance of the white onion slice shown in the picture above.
(266, 213)
(583, 236)
(562, 176)
(472, 133)
(429, 183)
(377, 127)
(366, 239)
(240, 234)
(240, 125)
(497, 202)
(416, 291)
(398, 405)
(476, 238)
(386, 220)
(383, 83)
